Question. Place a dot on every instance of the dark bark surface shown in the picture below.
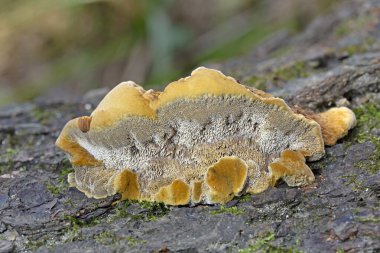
(336, 61)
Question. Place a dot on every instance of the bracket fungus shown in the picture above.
(204, 139)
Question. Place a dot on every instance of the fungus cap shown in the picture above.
(171, 146)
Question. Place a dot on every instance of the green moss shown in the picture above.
(352, 180)
(368, 219)
(368, 116)
(245, 198)
(353, 25)
(11, 152)
(108, 238)
(7, 158)
(342, 30)
(293, 71)
(297, 70)
(231, 210)
(263, 244)
(3, 168)
(368, 119)
(53, 189)
(151, 211)
(259, 82)
(60, 185)
(63, 174)
(8, 154)
(133, 241)
(120, 211)
(33, 245)
(105, 238)
(370, 165)
(69, 202)
(42, 116)
(363, 46)
(73, 233)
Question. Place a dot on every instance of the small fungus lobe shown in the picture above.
(291, 167)
(335, 123)
(204, 139)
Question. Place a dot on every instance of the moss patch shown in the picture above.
(108, 238)
(259, 82)
(105, 238)
(264, 244)
(368, 219)
(133, 241)
(41, 115)
(362, 47)
(151, 211)
(353, 25)
(352, 180)
(245, 198)
(7, 160)
(58, 186)
(231, 210)
(296, 70)
(368, 121)
(73, 233)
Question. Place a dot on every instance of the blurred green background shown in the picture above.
(66, 47)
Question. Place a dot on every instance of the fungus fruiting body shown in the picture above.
(204, 139)
(335, 123)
